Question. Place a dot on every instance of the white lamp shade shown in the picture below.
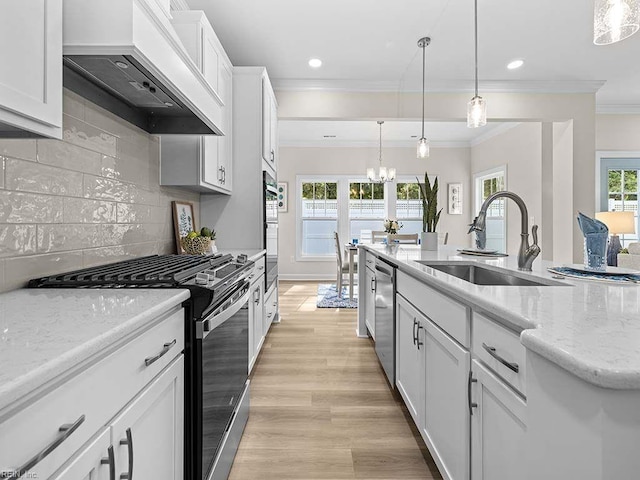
(618, 222)
(615, 20)
(371, 174)
(476, 112)
(391, 174)
(423, 148)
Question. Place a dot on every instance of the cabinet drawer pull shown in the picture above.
(373, 285)
(111, 461)
(261, 267)
(472, 405)
(129, 443)
(65, 432)
(418, 342)
(492, 351)
(165, 348)
(415, 323)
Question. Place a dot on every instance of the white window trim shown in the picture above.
(600, 154)
(491, 172)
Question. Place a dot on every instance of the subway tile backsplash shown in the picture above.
(92, 198)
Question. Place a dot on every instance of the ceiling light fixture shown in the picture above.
(515, 64)
(615, 20)
(423, 143)
(477, 107)
(384, 174)
(315, 63)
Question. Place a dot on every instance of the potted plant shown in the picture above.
(430, 213)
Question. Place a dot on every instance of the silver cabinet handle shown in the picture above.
(261, 267)
(65, 432)
(415, 323)
(472, 405)
(273, 155)
(418, 342)
(129, 443)
(111, 461)
(165, 348)
(220, 174)
(373, 285)
(270, 315)
(492, 351)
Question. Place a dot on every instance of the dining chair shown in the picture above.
(403, 238)
(343, 267)
(378, 237)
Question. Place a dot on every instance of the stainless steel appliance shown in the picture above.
(385, 318)
(216, 344)
(270, 228)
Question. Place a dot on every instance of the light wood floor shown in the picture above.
(320, 405)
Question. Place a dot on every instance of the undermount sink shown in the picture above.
(481, 275)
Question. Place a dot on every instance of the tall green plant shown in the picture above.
(430, 212)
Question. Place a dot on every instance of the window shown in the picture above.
(409, 206)
(319, 217)
(366, 208)
(621, 190)
(486, 184)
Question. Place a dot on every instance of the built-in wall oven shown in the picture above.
(270, 228)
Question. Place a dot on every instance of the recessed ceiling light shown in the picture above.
(515, 64)
(315, 63)
(122, 64)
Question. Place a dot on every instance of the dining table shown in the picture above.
(351, 250)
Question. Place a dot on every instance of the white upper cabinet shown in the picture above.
(202, 163)
(31, 73)
(269, 125)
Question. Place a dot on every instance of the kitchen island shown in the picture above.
(544, 378)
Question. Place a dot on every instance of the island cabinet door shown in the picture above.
(410, 356)
(498, 428)
(95, 461)
(148, 435)
(446, 411)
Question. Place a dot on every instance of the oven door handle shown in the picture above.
(204, 327)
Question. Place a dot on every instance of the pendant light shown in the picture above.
(384, 174)
(423, 143)
(615, 20)
(477, 107)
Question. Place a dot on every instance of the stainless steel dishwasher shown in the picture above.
(385, 318)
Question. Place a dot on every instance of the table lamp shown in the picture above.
(617, 223)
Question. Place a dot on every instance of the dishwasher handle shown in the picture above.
(384, 271)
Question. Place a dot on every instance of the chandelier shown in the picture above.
(384, 174)
(423, 143)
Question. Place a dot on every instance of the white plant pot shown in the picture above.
(429, 241)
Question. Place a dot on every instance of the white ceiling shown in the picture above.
(394, 133)
(367, 44)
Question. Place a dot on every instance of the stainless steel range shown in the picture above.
(216, 344)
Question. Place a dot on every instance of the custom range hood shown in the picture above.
(125, 56)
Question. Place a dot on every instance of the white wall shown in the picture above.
(618, 132)
(520, 149)
(449, 164)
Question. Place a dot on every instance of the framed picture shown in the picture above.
(455, 199)
(183, 221)
(282, 196)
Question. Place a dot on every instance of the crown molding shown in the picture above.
(331, 143)
(439, 86)
(618, 109)
(179, 5)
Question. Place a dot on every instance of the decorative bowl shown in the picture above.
(196, 245)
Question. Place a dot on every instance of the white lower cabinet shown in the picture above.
(95, 461)
(432, 376)
(256, 319)
(148, 435)
(498, 428)
(369, 302)
(270, 308)
(446, 411)
(410, 357)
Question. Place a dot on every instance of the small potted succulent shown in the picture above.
(199, 243)
(430, 213)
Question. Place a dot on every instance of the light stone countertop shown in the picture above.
(45, 332)
(590, 328)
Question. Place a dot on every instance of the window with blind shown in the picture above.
(366, 208)
(319, 217)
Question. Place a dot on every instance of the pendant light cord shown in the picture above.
(475, 27)
(424, 47)
(380, 148)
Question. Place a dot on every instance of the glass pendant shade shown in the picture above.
(615, 20)
(476, 112)
(391, 174)
(423, 148)
(371, 174)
